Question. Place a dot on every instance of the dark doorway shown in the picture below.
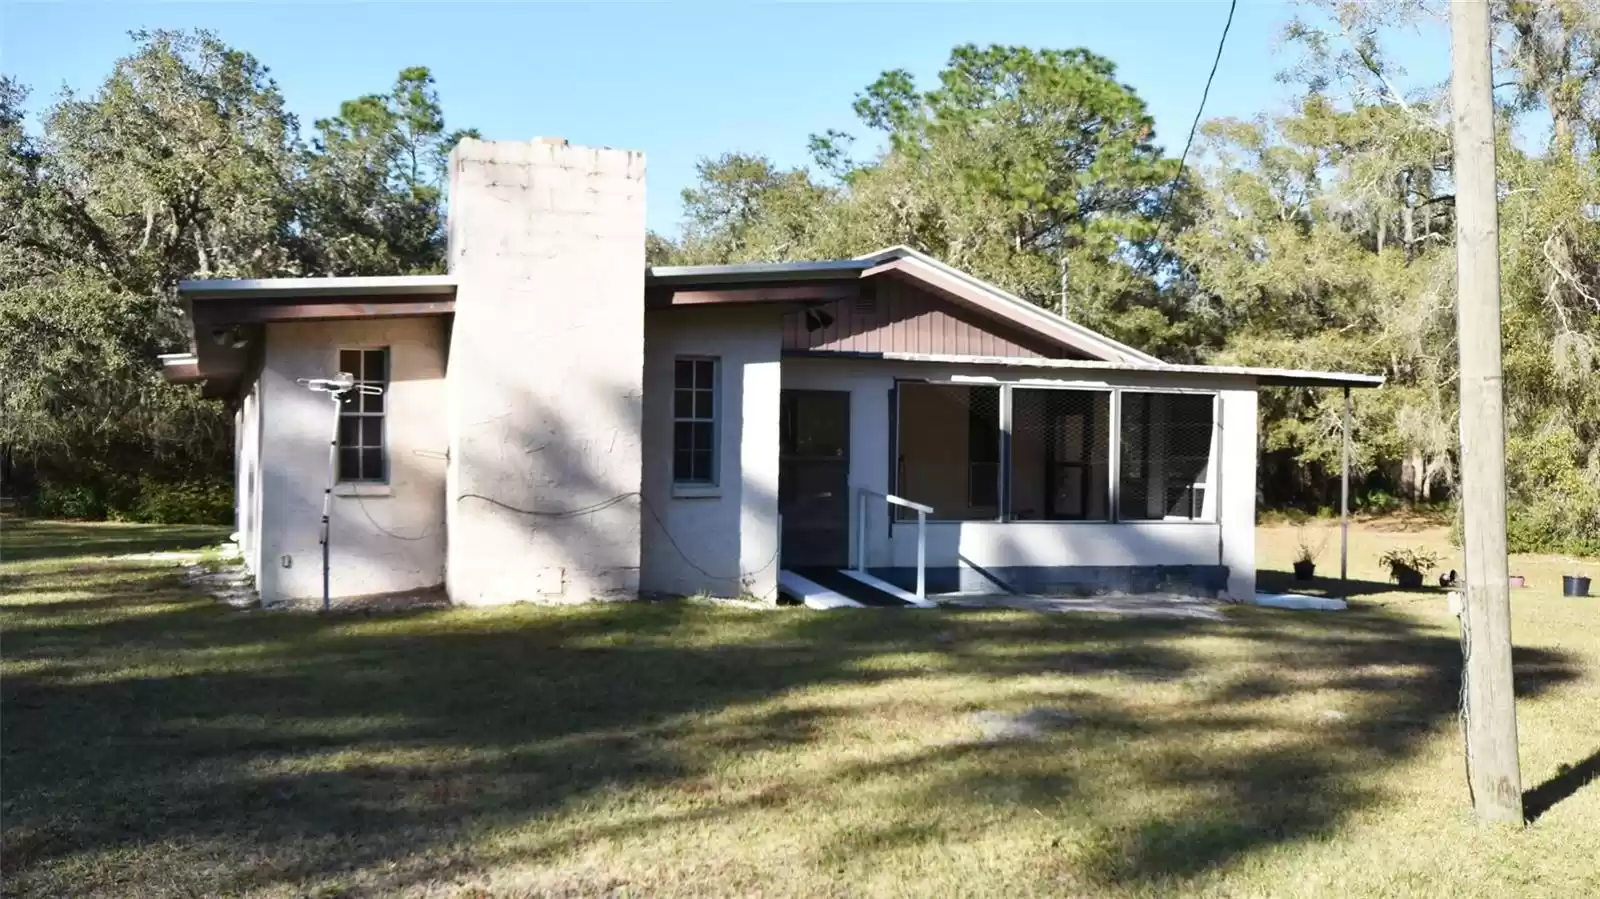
(814, 477)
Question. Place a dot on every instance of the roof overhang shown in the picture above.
(257, 289)
(748, 283)
(226, 316)
(818, 291)
(223, 303)
(845, 279)
(668, 276)
(180, 368)
(1264, 377)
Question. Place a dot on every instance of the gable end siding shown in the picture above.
(896, 317)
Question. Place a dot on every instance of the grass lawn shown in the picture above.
(23, 539)
(156, 743)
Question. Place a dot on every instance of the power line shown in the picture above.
(1204, 95)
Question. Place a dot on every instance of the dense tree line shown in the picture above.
(184, 163)
(1321, 236)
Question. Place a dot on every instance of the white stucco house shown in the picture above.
(560, 422)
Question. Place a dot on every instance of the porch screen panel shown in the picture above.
(1060, 455)
(949, 451)
(1166, 465)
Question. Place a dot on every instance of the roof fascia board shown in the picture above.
(258, 310)
(209, 289)
(809, 291)
(1268, 377)
(778, 272)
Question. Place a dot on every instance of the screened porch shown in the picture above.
(1024, 453)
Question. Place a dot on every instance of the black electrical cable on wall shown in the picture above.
(612, 501)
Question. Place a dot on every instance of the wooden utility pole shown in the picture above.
(1344, 502)
(1492, 766)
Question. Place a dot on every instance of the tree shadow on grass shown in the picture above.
(247, 751)
(1389, 684)
(27, 540)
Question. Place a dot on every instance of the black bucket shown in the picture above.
(1574, 585)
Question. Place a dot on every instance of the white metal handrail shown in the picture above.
(922, 532)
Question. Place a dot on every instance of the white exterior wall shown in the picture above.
(995, 544)
(546, 366)
(1238, 453)
(247, 477)
(729, 533)
(389, 540)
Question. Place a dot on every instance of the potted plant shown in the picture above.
(1407, 566)
(1305, 557)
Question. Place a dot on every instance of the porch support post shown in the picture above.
(1344, 502)
(1003, 470)
(922, 554)
(1114, 470)
(861, 529)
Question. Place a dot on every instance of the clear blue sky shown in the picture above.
(678, 81)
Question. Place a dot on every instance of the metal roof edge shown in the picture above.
(1270, 377)
(756, 271)
(237, 288)
(180, 368)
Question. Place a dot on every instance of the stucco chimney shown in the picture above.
(545, 372)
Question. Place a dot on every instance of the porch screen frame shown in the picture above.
(1213, 460)
(1113, 469)
(1113, 444)
(1002, 469)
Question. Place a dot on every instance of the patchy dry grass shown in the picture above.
(158, 744)
(23, 539)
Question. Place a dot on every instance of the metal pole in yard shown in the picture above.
(1493, 769)
(327, 495)
(336, 388)
(1344, 503)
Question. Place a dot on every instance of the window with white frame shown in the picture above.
(1165, 465)
(694, 421)
(363, 455)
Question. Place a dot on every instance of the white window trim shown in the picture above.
(385, 486)
(698, 489)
